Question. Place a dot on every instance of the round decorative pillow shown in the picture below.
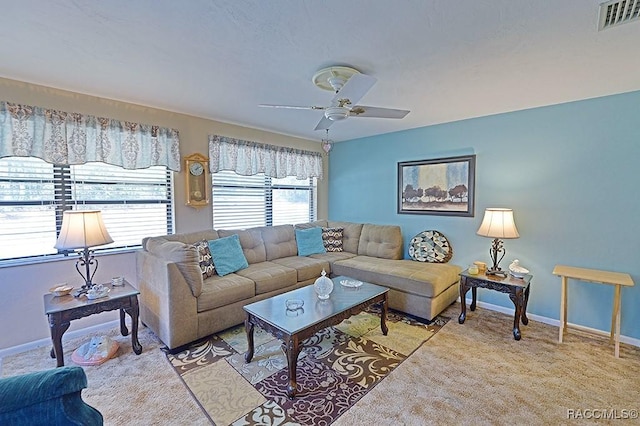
(430, 246)
(96, 351)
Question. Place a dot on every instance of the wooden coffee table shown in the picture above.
(292, 327)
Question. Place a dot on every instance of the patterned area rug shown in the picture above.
(336, 367)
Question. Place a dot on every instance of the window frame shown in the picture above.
(268, 186)
(62, 198)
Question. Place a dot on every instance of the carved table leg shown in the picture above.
(463, 303)
(474, 296)
(517, 299)
(525, 320)
(57, 330)
(291, 348)
(248, 326)
(383, 316)
(123, 327)
(134, 313)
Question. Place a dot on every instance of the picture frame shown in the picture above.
(442, 186)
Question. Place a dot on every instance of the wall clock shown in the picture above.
(197, 181)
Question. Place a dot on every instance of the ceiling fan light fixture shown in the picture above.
(336, 113)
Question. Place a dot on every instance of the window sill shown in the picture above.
(36, 260)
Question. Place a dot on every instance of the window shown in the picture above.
(33, 195)
(248, 201)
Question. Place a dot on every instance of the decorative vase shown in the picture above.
(323, 286)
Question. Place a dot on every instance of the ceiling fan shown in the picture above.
(349, 86)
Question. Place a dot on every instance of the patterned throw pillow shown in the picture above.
(430, 246)
(332, 239)
(205, 259)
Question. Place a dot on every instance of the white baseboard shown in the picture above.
(624, 339)
(47, 342)
(116, 323)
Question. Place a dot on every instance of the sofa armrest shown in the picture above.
(183, 255)
(47, 397)
(167, 303)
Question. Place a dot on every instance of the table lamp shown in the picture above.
(497, 224)
(83, 229)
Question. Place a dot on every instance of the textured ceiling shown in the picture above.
(444, 60)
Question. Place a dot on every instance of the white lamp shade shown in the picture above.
(498, 223)
(82, 229)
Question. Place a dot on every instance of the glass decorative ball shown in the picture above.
(323, 286)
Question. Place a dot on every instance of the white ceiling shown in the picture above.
(444, 60)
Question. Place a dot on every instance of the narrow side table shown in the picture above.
(616, 279)
(516, 288)
(62, 310)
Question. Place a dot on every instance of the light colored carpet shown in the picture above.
(476, 373)
(473, 373)
(129, 389)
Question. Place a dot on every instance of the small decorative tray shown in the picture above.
(351, 283)
(61, 290)
(104, 292)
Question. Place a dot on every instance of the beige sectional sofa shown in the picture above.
(180, 306)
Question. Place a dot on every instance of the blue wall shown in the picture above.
(570, 172)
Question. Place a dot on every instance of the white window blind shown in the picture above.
(247, 201)
(27, 208)
(33, 195)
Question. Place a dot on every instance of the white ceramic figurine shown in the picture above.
(516, 270)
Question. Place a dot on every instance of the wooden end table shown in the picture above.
(616, 279)
(516, 288)
(62, 310)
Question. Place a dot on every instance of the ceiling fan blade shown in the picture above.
(324, 123)
(368, 111)
(355, 88)
(290, 106)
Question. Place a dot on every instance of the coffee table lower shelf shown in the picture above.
(357, 300)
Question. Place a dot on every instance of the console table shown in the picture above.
(616, 279)
(62, 310)
(516, 288)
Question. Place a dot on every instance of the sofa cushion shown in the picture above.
(227, 255)
(383, 241)
(333, 256)
(221, 291)
(187, 238)
(332, 238)
(307, 267)
(350, 235)
(279, 241)
(183, 255)
(309, 241)
(251, 242)
(269, 276)
(204, 259)
(409, 276)
(316, 223)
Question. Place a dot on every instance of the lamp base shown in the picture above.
(86, 260)
(497, 272)
(82, 290)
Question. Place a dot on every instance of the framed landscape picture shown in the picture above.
(443, 186)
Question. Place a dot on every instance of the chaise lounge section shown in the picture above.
(181, 304)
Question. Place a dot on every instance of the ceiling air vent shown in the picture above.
(618, 12)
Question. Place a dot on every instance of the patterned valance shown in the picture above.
(251, 158)
(60, 137)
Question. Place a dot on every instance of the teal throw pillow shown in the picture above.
(309, 241)
(227, 255)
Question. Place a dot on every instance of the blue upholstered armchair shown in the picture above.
(49, 397)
